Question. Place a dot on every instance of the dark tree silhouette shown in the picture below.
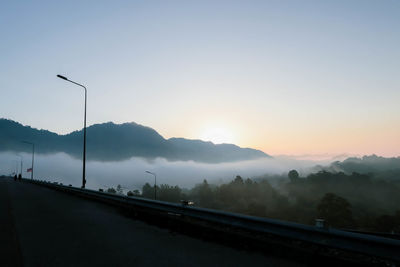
(169, 193)
(148, 191)
(111, 190)
(203, 195)
(293, 175)
(336, 211)
(119, 189)
(356, 201)
(388, 223)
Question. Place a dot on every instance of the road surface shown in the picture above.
(43, 227)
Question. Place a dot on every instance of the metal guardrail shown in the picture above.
(380, 234)
(370, 245)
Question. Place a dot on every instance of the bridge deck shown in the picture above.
(43, 227)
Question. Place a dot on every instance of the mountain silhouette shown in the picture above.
(115, 142)
(367, 164)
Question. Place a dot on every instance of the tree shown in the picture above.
(111, 190)
(205, 195)
(119, 190)
(248, 182)
(238, 180)
(136, 192)
(293, 175)
(148, 191)
(169, 193)
(336, 211)
(385, 223)
(133, 193)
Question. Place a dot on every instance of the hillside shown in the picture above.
(376, 166)
(115, 142)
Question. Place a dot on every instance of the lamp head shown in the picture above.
(62, 77)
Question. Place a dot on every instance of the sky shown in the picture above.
(285, 77)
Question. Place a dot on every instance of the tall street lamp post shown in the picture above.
(84, 130)
(33, 155)
(21, 164)
(16, 167)
(155, 183)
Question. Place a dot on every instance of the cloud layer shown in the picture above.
(131, 173)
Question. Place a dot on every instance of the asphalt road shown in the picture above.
(43, 227)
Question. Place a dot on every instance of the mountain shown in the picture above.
(378, 167)
(114, 142)
(366, 164)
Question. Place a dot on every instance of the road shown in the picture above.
(43, 227)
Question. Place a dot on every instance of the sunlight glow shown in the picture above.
(218, 135)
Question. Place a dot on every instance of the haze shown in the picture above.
(131, 173)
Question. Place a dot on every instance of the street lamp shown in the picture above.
(84, 130)
(33, 155)
(16, 167)
(21, 164)
(155, 184)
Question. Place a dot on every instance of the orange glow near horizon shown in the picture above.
(381, 139)
(384, 143)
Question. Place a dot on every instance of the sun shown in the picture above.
(218, 135)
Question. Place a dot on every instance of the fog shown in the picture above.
(131, 174)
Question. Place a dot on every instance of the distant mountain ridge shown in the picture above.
(114, 142)
(378, 167)
(366, 164)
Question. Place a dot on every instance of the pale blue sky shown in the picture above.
(287, 77)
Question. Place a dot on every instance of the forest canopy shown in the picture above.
(349, 201)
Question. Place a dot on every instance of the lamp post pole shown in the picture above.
(84, 130)
(21, 164)
(155, 184)
(33, 155)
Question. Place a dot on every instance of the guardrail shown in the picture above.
(384, 248)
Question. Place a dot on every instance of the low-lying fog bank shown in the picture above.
(131, 173)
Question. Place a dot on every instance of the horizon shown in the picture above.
(305, 78)
(324, 157)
